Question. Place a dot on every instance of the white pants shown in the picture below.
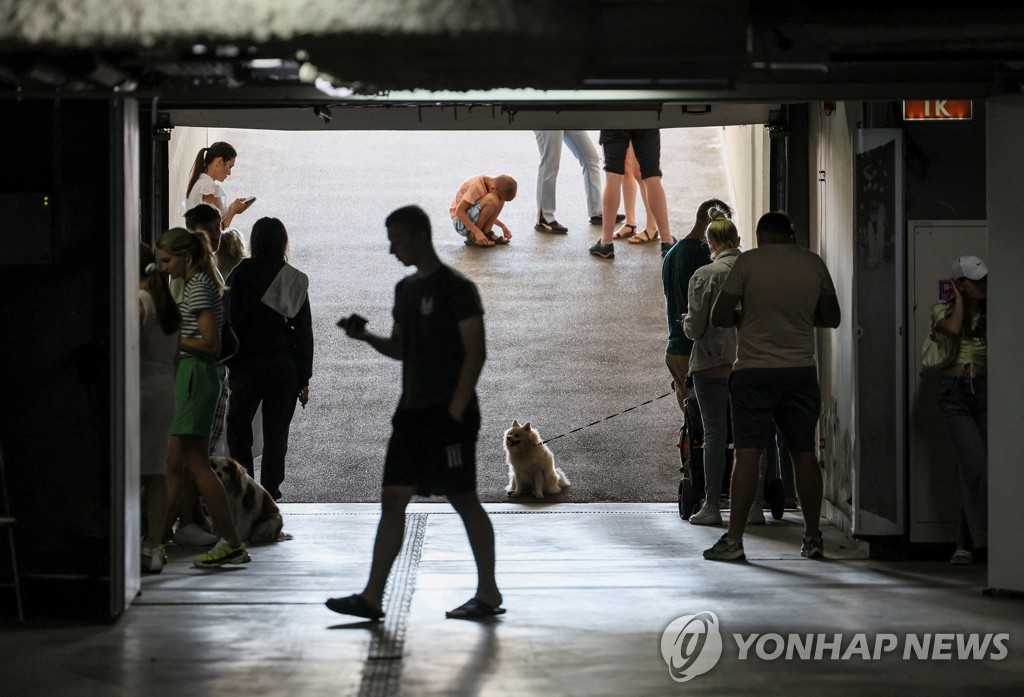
(582, 147)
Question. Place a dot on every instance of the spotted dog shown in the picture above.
(256, 515)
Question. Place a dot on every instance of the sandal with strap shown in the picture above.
(625, 232)
(474, 609)
(645, 236)
(471, 241)
(552, 227)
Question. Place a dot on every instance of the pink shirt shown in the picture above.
(471, 191)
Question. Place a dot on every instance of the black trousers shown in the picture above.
(272, 380)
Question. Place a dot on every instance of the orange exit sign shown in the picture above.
(938, 110)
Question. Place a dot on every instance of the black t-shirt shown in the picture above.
(428, 311)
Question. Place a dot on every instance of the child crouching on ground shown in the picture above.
(477, 205)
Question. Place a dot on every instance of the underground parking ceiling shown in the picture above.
(261, 52)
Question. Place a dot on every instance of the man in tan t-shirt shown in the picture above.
(775, 295)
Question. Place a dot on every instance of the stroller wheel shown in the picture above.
(688, 502)
(775, 495)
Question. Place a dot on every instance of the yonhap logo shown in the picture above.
(691, 645)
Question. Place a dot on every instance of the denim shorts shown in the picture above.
(432, 451)
(763, 398)
(474, 214)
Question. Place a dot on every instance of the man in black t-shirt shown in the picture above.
(438, 334)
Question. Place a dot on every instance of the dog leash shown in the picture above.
(594, 423)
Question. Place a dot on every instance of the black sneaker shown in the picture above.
(599, 219)
(605, 251)
(553, 227)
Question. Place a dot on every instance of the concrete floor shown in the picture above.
(590, 589)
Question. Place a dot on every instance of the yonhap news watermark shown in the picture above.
(693, 644)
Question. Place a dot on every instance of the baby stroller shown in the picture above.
(691, 456)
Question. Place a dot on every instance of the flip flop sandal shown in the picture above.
(471, 242)
(474, 609)
(623, 234)
(496, 239)
(645, 236)
(354, 605)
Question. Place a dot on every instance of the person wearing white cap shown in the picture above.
(963, 400)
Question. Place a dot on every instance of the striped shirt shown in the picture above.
(201, 293)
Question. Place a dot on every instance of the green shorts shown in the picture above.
(196, 391)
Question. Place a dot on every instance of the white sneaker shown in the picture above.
(756, 515)
(707, 515)
(962, 556)
(192, 535)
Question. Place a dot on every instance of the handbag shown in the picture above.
(939, 351)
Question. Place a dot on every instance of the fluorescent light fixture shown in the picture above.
(265, 63)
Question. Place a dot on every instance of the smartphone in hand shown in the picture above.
(248, 200)
(352, 323)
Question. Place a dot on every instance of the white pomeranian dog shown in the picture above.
(530, 463)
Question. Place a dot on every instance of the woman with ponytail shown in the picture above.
(213, 164)
(159, 322)
(714, 351)
(186, 255)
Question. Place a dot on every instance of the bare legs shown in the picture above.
(610, 204)
(659, 207)
(809, 487)
(391, 531)
(481, 540)
(655, 200)
(192, 453)
(630, 184)
(743, 489)
(490, 208)
(388, 543)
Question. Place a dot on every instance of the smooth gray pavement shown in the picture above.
(590, 591)
(572, 339)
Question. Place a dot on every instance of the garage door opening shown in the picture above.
(572, 339)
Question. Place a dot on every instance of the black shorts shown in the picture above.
(646, 147)
(763, 398)
(432, 451)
